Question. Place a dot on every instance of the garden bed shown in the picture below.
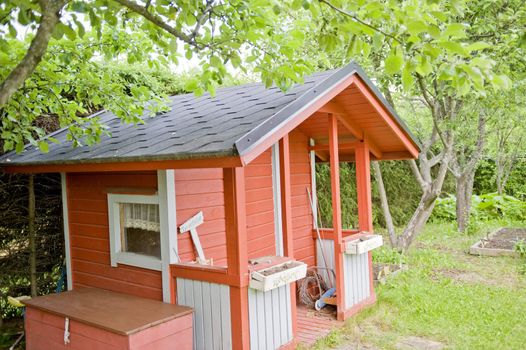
(500, 242)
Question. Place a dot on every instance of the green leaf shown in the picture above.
(407, 78)
(454, 47)
(43, 146)
(4, 59)
(479, 45)
(456, 30)
(19, 146)
(501, 82)
(394, 62)
(215, 62)
(481, 62)
(424, 68)
(416, 27)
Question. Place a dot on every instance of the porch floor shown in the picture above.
(314, 325)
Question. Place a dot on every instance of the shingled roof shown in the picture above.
(228, 124)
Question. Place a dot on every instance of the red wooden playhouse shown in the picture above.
(206, 207)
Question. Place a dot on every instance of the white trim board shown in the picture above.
(314, 195)
(168, 221)
(65, 218)
(276, 188)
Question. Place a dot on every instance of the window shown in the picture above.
(135, 232)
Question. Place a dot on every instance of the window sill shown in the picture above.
(138, 260)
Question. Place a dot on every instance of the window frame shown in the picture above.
(117, 256)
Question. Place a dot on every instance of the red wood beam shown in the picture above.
(237, 254)
(221, 162)
(336, 214)
(365, 207)
(342, 146)
(335, 108)
(406, 140)
(286, 216)
(363, 188)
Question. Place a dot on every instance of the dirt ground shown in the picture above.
(506, 238)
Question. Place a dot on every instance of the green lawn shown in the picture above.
(446, 295)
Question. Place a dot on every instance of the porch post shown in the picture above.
(237, 256)
(336, 214)
(363, 189)
(286, 215)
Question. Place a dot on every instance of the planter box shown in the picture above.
(362, 243)
(277, 275)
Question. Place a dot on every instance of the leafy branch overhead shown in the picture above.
(54, 54)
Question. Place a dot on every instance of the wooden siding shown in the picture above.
(201, 190)
(89, 235)
(260, 206)
(300, 172)
(211, 303)
(357, 278)
(270, 318)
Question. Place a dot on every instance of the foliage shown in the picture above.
(520, 247)
(402, 193)
(463, 301)
(239, 35)
(486, 174)
(485, 207)
(388, 255)
(14, 246)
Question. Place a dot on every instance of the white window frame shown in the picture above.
(117, 256)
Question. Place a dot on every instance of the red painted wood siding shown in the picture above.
(260, 206)
(90, 237)
(201, 190)
(300, 173)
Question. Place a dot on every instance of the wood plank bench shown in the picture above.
(100, 319)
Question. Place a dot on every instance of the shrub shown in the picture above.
(485, 207)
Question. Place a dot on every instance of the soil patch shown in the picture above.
(505, 238)
(419, 343)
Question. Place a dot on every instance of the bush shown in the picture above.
(483, 208)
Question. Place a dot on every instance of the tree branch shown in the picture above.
(417, 174)
(158, 21)
(37, 48)
(348, 14)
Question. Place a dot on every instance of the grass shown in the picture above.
(446, 295)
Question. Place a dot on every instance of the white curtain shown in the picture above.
(141, 216)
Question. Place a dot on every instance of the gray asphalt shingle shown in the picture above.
(228, 124)
(204, 126)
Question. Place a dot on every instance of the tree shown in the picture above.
(466, 155)
(435, 51)
(507, 140)
(82, 34)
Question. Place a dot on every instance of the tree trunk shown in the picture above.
(418, 220)
(385, 204)
(32, 237)
(462, 205)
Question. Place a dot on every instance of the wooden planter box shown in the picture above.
(276, 273)
(362, 243)
(96, 319)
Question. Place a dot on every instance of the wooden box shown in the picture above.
(96, 319)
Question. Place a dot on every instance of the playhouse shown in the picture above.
(197, 224)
